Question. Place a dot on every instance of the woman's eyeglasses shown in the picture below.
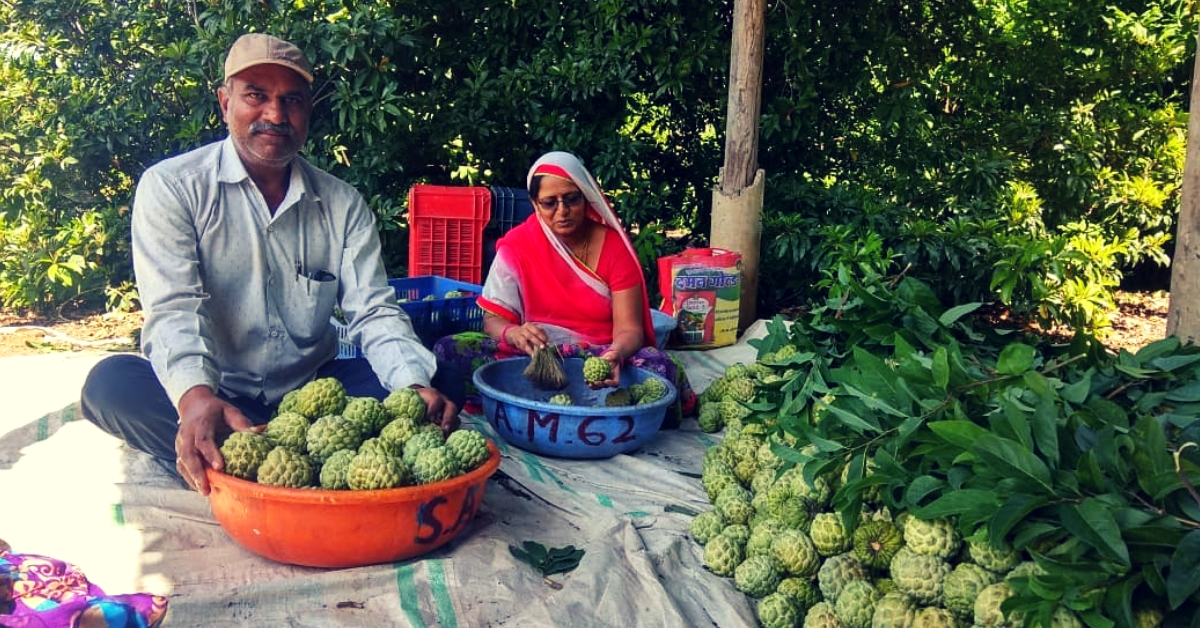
(570, 201)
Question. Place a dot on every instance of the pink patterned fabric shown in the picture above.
(42, 592)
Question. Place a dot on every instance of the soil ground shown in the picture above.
(1141, 319)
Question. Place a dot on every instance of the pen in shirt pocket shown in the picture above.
(319, 275)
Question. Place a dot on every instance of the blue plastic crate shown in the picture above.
(510, 207)
(431, 318)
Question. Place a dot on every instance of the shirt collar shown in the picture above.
(232, 170)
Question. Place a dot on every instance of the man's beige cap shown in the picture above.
(259, 48)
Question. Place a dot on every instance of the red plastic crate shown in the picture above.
(445, 235)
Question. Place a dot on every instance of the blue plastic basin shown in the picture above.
(521, 414)
(664, 324)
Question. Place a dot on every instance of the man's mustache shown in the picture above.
(267, 127)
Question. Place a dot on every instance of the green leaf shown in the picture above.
(1015, 359)
(1045, 430)
(1015, 510)
(962, 434)
(851, 420)
(1077, 393)
(950, 316)
(1184, 578)
(683, 510)
(1118, 600)
(537, 552)
(922, 486)
(1189, 392)
(958, 502)
(1092, 522)
(940, 368)
(1010, 459)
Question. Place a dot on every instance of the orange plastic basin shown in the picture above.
(325, 528)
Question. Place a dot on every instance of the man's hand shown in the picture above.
(202, 416)
(439, 410)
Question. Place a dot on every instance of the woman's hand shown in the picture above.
(526, 338)
(202, 415)
(614, 373)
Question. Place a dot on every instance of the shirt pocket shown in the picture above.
(308, 307)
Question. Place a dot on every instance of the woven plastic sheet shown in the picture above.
(72, 492)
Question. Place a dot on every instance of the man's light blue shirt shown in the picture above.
(239, 300)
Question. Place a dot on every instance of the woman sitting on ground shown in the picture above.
(567, 276)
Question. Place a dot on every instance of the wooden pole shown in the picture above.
(737, 201)
(745, 95)
(1183, 314)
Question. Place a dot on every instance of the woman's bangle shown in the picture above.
(503, 343)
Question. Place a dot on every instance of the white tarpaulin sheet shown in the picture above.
(69, 491)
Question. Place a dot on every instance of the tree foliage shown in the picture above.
(1023, 150)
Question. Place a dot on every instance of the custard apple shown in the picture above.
(828, 534)
(320, 397)
(739, 533)
(822, 615)
(379, 446)
(731, 411)
(706, 525)
(876, 543)
(596, 369)
(998, 559)
(894, 610)
(333, 472)
(561, 399)
(757, 576)
(419, 442)
(618, 397)
(766, 456)
(368, 412)
(284, 467)
(795, 553)
(710, 420)
(1064, 618)
(802, 591)
(434, 464)
(737, 370)
(288, 402)
(1148, 616)
(795, 512)
(734, 505)
(469, 447)
(717, 478)
(288, 429)
(962, 586)
(741, 390)
(405, 403)
(777, 611)
(398, 431)
(372, 471)
(987, 605)
(331, 433)
(762, 534)
(855, 606)
(652, 390)
(761, 483)
(244, 453)
(838, 571)
(932, 537)
(931, 617)
(920, 576)
(722, 555)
